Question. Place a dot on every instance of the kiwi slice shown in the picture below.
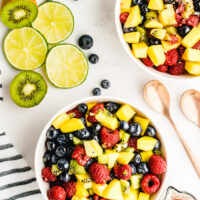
(18, 13)
(125, 185)
(28, 89)
(75, 168)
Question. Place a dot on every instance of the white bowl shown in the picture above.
(137, 61)
(40, 149)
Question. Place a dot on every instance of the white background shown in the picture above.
(96, 18)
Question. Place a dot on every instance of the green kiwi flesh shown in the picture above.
(28, 89)
(75, 168)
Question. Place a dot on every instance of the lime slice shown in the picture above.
(55, 21)
(25, 48)
(66, 66)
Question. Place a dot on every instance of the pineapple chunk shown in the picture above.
(61, 119)
(133, 37)
(112, 158)
(125, 112)
(103, 159)
(143, 196)
(146, 155)
(135, 181)
(125, 157)
(156, 54)
(192, 67)
(143, 123)
(92, 148)
(132, 195)
(146, 143)
(153, 24)
(80, 190)
(191, 55)
(87, 122)
(72, 125)
(140, 50)
(91, 105)
(125, 4)
(191, 38)
(99, 188)
(167, 46)
(85, 179)
(158, 33)
(156, 5)
(134, 18)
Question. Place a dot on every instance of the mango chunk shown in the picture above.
(132, 195)
(156, 5)
(125, 157)
(140, 50)
(125, 112)
(191, 55)
(61, 119)
(133, 37)
(98, 188)
(146, 155)
(80, 190)
(153, 24)
(93, 148)
(146, 143)
(143, 123)
(125, 4)
(192, 67)
(143, 196)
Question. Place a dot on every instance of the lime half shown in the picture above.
(25, 48)
(55, 21)
(66, 66)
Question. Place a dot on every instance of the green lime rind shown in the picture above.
(46, 71)
(7, 57)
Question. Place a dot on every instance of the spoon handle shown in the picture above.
(191, 155)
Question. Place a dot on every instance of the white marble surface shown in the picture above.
(96, 17)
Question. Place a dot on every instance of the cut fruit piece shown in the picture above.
(156, 5)
(93, 148)
(124, 137)
(28, 89)
(77, 141)
(156, 54)
(72, 125)
(125, 112)
(134, 18)
(146, 155)
(125, 4)
(55, 21)
(151, 15)
(158, 33)
(143, 196)
(18, 13)
(91, 105)
(143, 123)
(81, 191)
(191, 55)
(113, 190)
(146, 143)
(103, 159)
(112, 158)
(192, 67)
(61, 119)
(171, 30)
(143, 35)
(140, 50)
(153, 24)
(136, 180)
(85, 179)
(55, 171)
(25, 48)
(125, 157)
(99, 188)
(78, 198)
(75, 168)
(132, 195)
(125, 186)
(133, 37)
(66, 66)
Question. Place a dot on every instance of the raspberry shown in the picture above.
(174, 39)
(109, 137)
(181, 50)
(94, 111)
(123, 17)
(157, 164)
(162, 68)
(178, 14)
(80, 155)
(193, 21)
(47, 175)
(56, 193)
(75, 113)
(132, 142)
(178, 69)
(147, 61)
(150, 183)
(70, 188)
(123, 171)
(171, 57)
(197, 45)
(99, 173)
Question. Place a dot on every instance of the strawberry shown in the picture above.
(197, 45)
(132, 142)
(162, 68)
(47, 175)
(75, 113)
(94, 111)
(70, 188)
(172, 57)
(123, 17)
(193, 21)
(123, 171)
(157, 164)
(56, 193)
(147, 61)
(178, 69)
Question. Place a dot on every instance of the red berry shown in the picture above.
(94, 111)
(150, 183)
(174, 39)
(109, 137)
(56, 193)
(47, 175)
(96, 197)
(70, 188)
(80, 155)
(132, 142)
(178, 14)
(197, 45)
(157, 164)
(99, 173)
(123, 171)
(162, 68)
(75, 113)
(181, 50)
(178, 69)
(123, 17)
(147, 61)
(193, 21)
(172, 57)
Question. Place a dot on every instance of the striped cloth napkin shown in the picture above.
(17, 179)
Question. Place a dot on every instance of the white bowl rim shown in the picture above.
(94, 99)
(137, 61)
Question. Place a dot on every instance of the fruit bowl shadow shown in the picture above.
(40, 149)
(137, 61)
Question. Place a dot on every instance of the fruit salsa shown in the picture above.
(102, 151)
(163, 34)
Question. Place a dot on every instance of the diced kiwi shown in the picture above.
(28, 89)
(77, 141)
(125, 185)
(171, 30)
(158, 33)
(18, 13)
(151, 15)
(143, 35)
(91, 192)
(55, 171)
(75, 168)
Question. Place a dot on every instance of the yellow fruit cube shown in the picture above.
(93, 148)
(146, 155)
(133, 37)
(192, 67)
(125, 112)
(167, 17)
(99, 188)
(132, 195)
(112, 158)
(103, 159)
(80, 190)
(85, 179)
(91, 105)
(191, 55)
(61, 119)
(143, 196)
(153, 24)
(191, 38)
(125, 157)
(136, 181)
(125, 10)
(156, 5)
(140, 50)
(156, 54)
(167, 46)
(158, 33)
(125, 4)
(143, 123)
(146, 143)
(87, 122)
(134, 18)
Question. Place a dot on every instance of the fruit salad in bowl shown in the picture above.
(162, 36)
(100, 148)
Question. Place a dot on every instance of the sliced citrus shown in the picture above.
(66, 66)
(25, 48)
(55, 21)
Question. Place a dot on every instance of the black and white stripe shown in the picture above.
(17, 180)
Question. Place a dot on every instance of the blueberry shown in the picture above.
(69, 137)
(82, 108)
(128, 30)
(112, 107)
(61, 139)
(153, 41)
(96, 92)
(51, 146)
(151, 131)
(47, 158)
(143, 20)
(85, 42)
(93, 58)
(142, 168)
(54, 159)
(105, 84)
(95, 137)
(89, 162)
(52, 133)
(134, 170)
(183, 30)
(83, 120)
(137, 158)
(197, 6)
(135, 129)
(124, 125)
(157, 146)
(63, 164)
(137, 2)
(69, 151)
(144, 8)
(112, 175)
(83, 134)
(90, 198)
(65, 177)
(95, 128)
(61, 151)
